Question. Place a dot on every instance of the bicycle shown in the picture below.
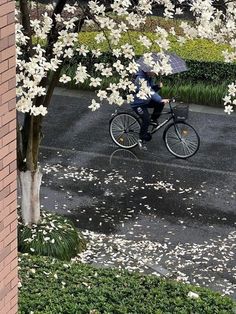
(181, 139)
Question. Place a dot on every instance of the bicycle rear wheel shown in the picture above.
(124, 130)
(181, 139)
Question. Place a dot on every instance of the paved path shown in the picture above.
(145, 210)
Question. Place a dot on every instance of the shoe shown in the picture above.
(142, 145)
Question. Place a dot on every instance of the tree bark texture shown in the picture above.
(30, 182)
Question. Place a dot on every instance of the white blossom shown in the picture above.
(95, 81)
(94, 105)
(81, 74)
(65, 79)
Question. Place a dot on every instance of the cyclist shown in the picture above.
(140, 106)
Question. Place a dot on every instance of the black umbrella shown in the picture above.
(177, 64)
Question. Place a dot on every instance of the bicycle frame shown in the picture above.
(170, 113)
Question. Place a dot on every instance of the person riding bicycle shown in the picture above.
(140, 106)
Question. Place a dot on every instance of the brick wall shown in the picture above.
(8, 222)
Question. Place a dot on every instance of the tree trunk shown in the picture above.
(30, 182)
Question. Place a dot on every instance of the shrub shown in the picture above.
(54, 236)
(51, 286)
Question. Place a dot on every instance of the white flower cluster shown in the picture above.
(37, 59)
(230, 99)
(218, 25)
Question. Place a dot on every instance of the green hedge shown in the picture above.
(50, 286)
(206, 72)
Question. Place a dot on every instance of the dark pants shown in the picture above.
(142, 111)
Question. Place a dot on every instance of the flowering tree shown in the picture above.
(48, 38)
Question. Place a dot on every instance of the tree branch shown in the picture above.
(25, 17)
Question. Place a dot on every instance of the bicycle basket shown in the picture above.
(181, 112)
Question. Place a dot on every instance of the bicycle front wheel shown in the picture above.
(124, 130)
(181, 139)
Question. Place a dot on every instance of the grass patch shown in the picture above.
(51, 286)
(54, 236)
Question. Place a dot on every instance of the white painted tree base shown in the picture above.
(30, 183)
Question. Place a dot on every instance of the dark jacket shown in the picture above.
(154, 88)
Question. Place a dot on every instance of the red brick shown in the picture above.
(12, 62)
(14, 281)
(3, 1)
(13, 301)
(5, 171)
(3, 21)
(9, 74)
(10, 94)
(4, 152)
(13, 186)
(6, 309)
(7, 30)
(4, 291)
(4, 43)
(3, 88)
(13, 225)
(8, 138)
(4, 130)
(8, 260)
(12, 166)
(12, 83)
(12, 206)
(1, 227)
(3, 254)
(7, 221)
(12, 125)
(4, 109)
(5, 271)
(4, 234)
(11, 294)
(9, 158)
(4, 65)
(11, 276)
(12, 146)
(8, 184)
(9, 116)
(4, 212)
(14, 309)
(5, 54)
(11, 18)
(5, 192)
(6, 8)
(14, 244)
(11, 40)
(12, 104)
(10, 198)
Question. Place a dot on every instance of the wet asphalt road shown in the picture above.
(152, 196)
